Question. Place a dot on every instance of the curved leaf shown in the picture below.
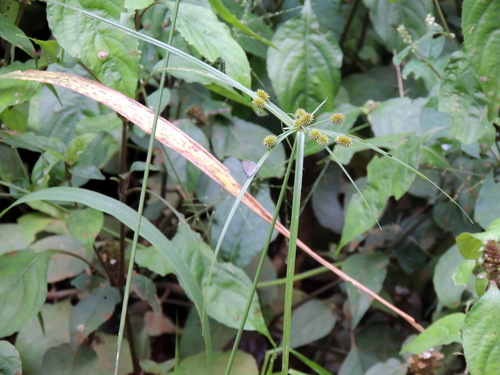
(127, 216)
(109, 53)
(23, 288)
(228, 17)
(482, 40)
(369, 269)
(304, 70)
(201, 28)
(480, 336)
(10, 363)
(460, 96)
(310, 322)
(387, 15)
(442, 332)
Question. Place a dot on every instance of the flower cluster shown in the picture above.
(301, 121)
(302, 118)
(261, 99)
(404, 34)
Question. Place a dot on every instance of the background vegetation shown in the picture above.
(417, 80)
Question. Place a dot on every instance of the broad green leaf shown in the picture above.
(359, 217)
(376, 84)
(54, 117)
(94, 307)
(244, 364)
(109, 53)
(180, 170)
(243, 140)
(154, 260)
(488, 202)
(32, 342)
(386, 16)
(246, 234)
(326, 199)
(10, 9)
(200, 27)
(482, 40)
(370, 270)
(304, 69)
(229, 288)
(310, 322)
(84, 225)
(355, 363)
(470, 244)
(63, 266)
(385, 178)
(461, 97)
(19, 236)
(63, 360)
(145, 289)
(33, 142)
(10, 167)
(390, 367)
(481, 285)
(192, 73)
(137, 4)
(127, 216)
(447, 292)
(480, 337)
(105, 347)
(395, 116)
(254, 22)
(23, 288)
(191, 341)
(15, 36)
(13, 92)
(219, 7)
(442, 332)
(227, 295)
(372, 344)
(77, 146)
(10, 363)
(464, 272)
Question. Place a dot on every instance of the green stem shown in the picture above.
(292, 250)
(142, 199)
(259, 268)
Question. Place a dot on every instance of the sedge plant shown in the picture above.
(297, 126)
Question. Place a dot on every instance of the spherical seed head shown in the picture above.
(343, 140)
(337, 118)
(300, 112)
(262, 94)
(306, 119)
(315, 134)
(270, 141)
(259, 102)
(322, 140)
